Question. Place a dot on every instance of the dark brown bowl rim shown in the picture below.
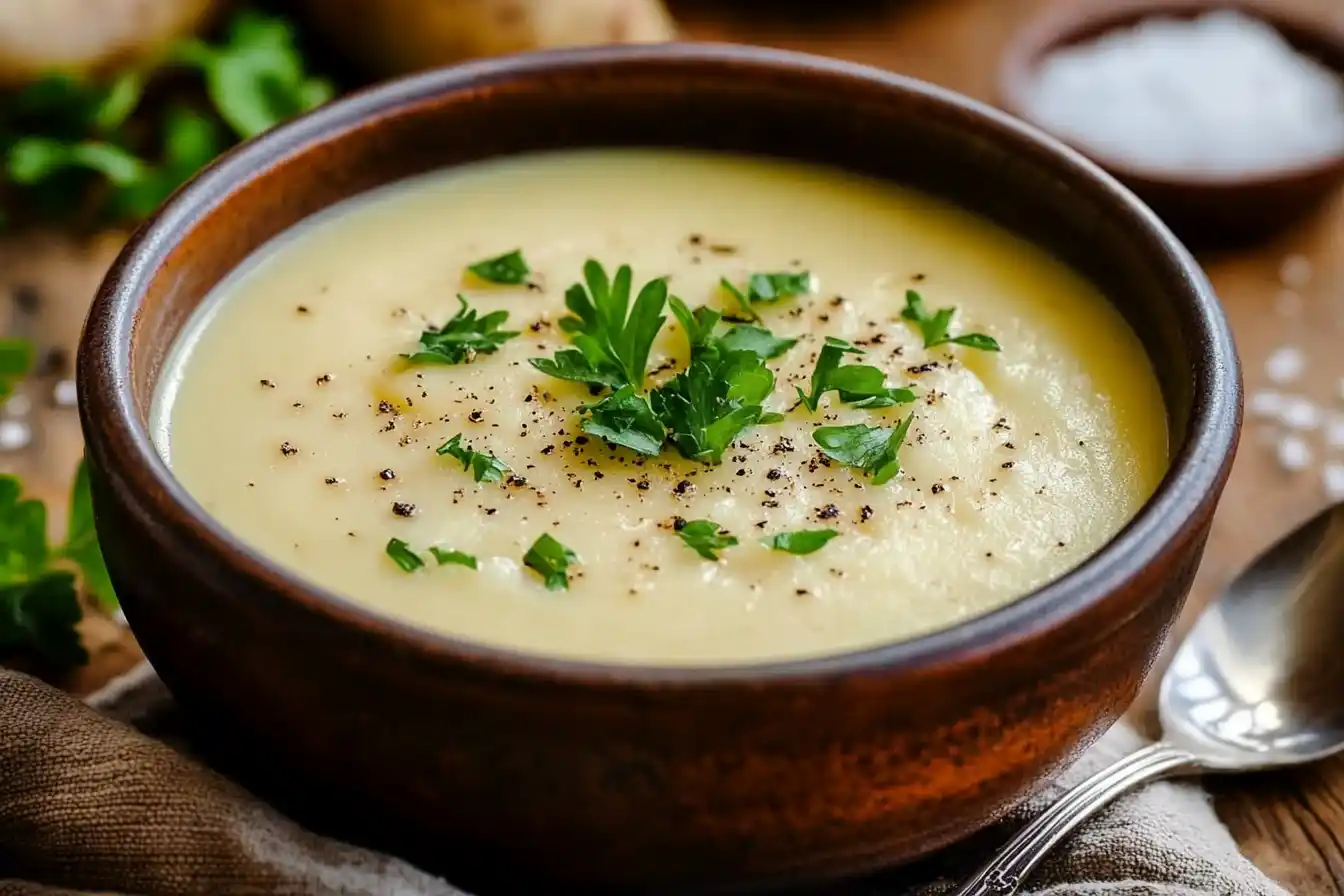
(1060, 27)
(1196, 470)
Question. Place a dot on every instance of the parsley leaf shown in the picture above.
(768, 288)
(828, 359)
(410, 561)
(873, 449)
(509, 269)
(256, 77)
(700, 325)
(757, 340)
(458, 558)
(462, 338)
(39, 606)
(710, 403)
(81, 541)
(804, 541)
(933, 327)
(570, 364)
(16, 359)
(484, 467)
(403, 556)
(624, 418)
(33, 160)
(551, 560)
(613, 338)
(190, 141)
(40, 618)
(860, 384)
(705, 537)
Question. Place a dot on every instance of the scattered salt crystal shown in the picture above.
(1295, 272)
(18, 405)
(1288, 303)
(1294, 454)
(1332, 476)
(63, 395)
(1266, 404)
(1223, 93)
(14, 435)
(1300, 413)
(1285, 364)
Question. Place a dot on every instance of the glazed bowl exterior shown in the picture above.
(490, 765)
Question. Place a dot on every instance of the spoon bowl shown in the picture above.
(1254, 686)
(1256, 683)
(1205, 208)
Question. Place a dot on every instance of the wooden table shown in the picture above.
(1291, 824)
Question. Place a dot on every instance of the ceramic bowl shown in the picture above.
(1211, 209)
(491, 765)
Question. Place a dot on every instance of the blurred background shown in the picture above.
(106, 106)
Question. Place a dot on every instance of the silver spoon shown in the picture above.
(1255, 685)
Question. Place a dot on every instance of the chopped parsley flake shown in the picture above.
(873, 449)
(462, 338)
(403, 556)
(459, 558)
(705, 537)
(768, 288)
(410, 561)
(484, 467)
(804, 541)
(551, 560)
(862, 385)
(509, 269)
(933, 327)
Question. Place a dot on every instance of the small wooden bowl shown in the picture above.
(495, 766)
(1202, 209)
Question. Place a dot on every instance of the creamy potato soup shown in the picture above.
(451, 402)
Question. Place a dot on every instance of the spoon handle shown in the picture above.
(1005, 873)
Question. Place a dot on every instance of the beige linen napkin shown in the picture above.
(104, 798)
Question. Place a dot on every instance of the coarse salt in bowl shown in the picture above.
(1225, 116)
(1222, 93)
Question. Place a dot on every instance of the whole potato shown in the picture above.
(393, 37)
(82, 36)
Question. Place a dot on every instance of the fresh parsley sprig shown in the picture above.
(768, 288)
(40, 607)
(873, 449)
(803, 541)
(72, 147)
(462, 338)
(862, 385)
(509, 269)
(712, 401)
(551, 560)
(706, 538)
(484, 467)
(613, 339)
(933, 326)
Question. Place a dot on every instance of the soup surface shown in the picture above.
(291, 412)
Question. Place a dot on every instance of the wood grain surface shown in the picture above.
(1291, 824)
